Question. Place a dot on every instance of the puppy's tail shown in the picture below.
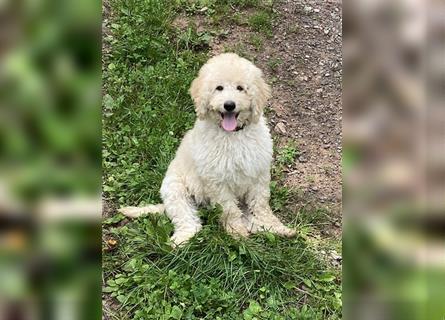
(134, 212)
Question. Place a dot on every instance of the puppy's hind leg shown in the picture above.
(180, 209)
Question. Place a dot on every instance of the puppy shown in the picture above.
(225, 159)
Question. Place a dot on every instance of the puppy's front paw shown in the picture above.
(236, 228)
(285, 231)
(131, 212)
(180, 238)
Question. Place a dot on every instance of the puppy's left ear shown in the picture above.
(260, 92)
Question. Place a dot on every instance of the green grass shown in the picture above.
(147, 108)
(261, 21)
(257, 41)
(146, 111)
(216, 276)
(286, 155)
(274, 63)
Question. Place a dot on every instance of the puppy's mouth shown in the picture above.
(229, 120)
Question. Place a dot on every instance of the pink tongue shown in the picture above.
(229, 121)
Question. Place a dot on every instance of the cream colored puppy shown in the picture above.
(225, 159)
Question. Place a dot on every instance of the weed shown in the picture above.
(286, 155)
(198, 7)
(274, 63)
(261, 21)
(193, 40)
(280, 197)
(257, 41)
(238, 19)
(242, 4)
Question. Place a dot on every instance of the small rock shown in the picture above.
(308, 9)
(316, 10)
(302, 159)
(335, 255)
(280, 127)
(335, 67)
(326, 31)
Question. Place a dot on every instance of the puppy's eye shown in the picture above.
(239, 88)
(219, 88)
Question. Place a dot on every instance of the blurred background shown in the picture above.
(393, 159)
(50, 159)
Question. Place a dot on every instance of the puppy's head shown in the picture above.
(230, 91)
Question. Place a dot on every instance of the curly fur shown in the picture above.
(215, 166)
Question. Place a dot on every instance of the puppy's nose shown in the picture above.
(229, 105)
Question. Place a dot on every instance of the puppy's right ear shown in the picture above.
(197, 92)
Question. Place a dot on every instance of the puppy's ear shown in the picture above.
(260, 92)
(197, 92)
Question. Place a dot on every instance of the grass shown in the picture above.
(146, 111)
(286, 155)
(274, 63)
(257, 41)
(216, 276)
(261, 21)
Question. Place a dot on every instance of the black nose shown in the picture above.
(229, 105)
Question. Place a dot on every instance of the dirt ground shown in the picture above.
(303, 62)
(307, 94)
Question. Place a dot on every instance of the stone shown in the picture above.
(280, 127)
